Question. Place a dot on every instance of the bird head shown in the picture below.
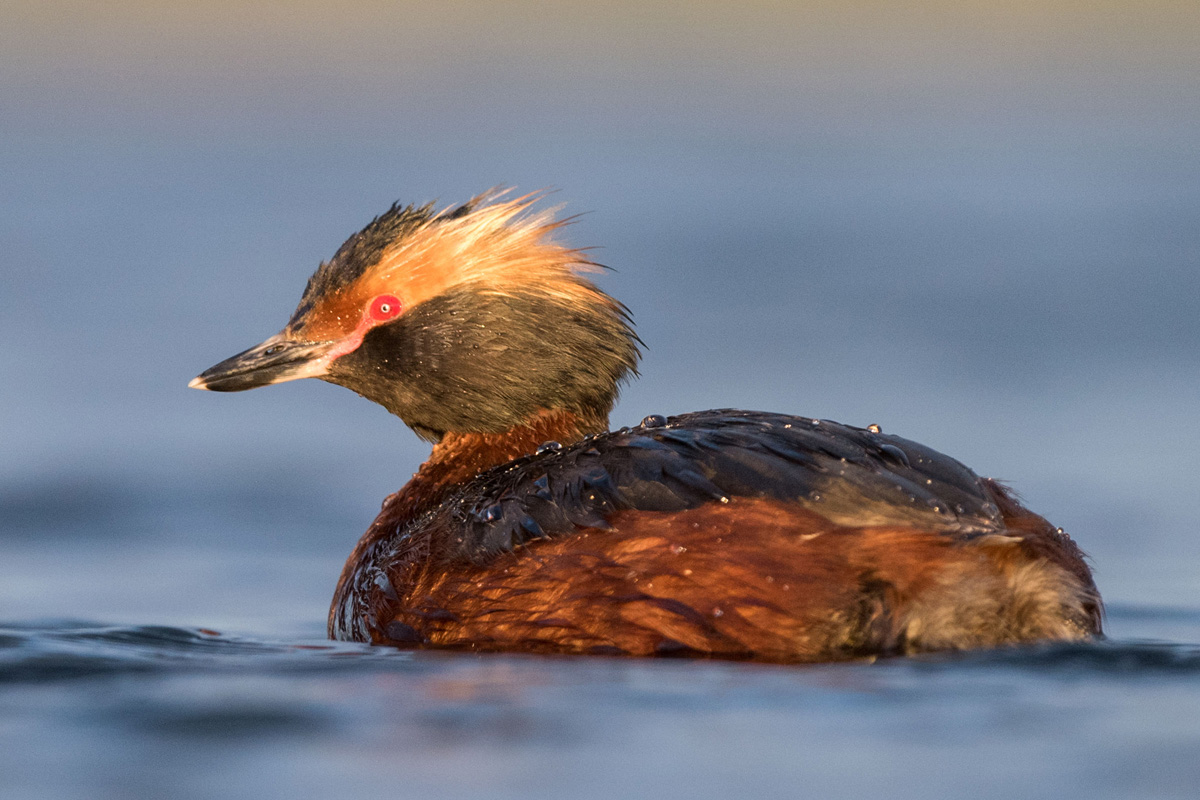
(472, 319)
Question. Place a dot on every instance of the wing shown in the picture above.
(851, 476)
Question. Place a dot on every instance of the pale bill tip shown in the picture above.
(197, 383)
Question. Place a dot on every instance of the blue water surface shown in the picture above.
(109, 711)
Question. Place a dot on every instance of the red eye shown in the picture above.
(384, 307)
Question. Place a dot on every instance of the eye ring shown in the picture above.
(384, 307)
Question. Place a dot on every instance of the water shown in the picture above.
(99, 711)
(973, 224)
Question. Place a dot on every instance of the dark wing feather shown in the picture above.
(849, 475)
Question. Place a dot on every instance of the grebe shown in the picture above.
(532, 527)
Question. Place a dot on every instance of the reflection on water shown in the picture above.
(78, 650)
(187, 712)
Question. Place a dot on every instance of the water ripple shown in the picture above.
(1130, 658)
(71, 650)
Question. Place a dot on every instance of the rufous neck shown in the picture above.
(458, 457)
